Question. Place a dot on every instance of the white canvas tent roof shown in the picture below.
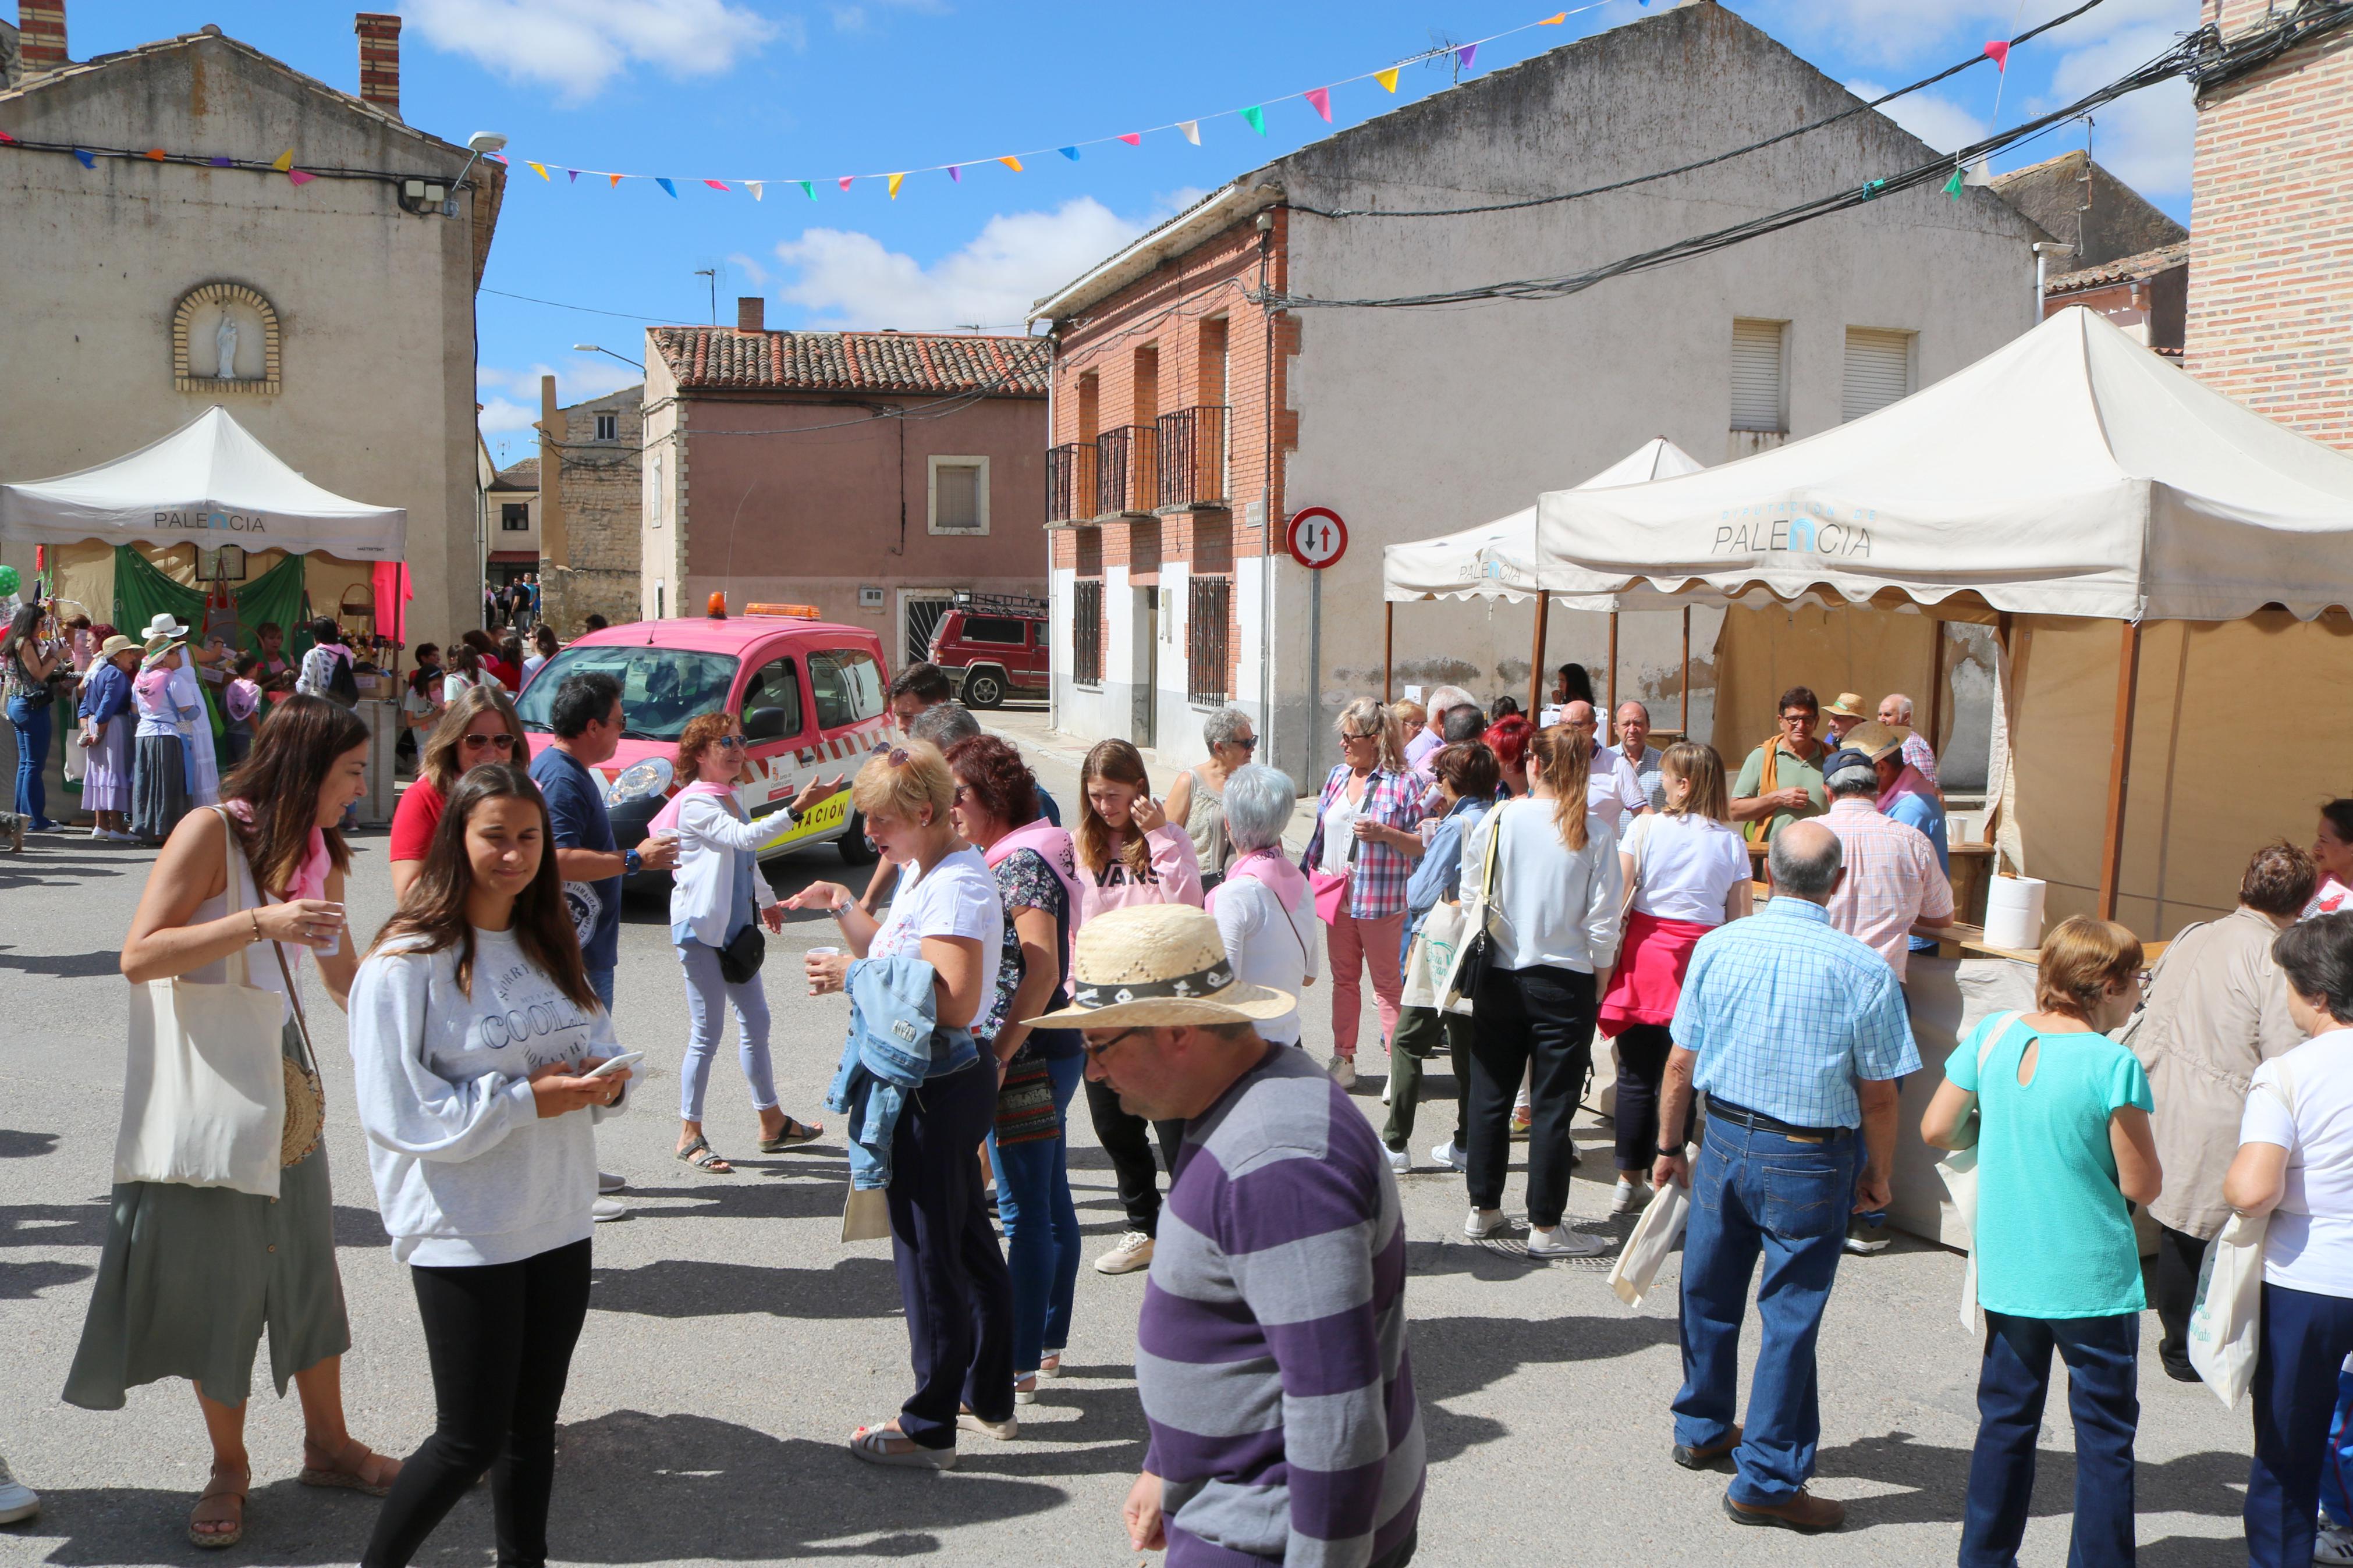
(2070, 472)
(209, 482)
(1497, 560)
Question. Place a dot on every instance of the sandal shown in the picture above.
(1050, 1364)
(791, 1135)
(356, 1465)
(1025, 1389)
(1003, 1431)
(220, 1487)
(872, 1444)
(703, 1157)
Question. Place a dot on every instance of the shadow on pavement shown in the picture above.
(66, 965)
(1455, 1356)
(23, 1281)
(27, 1145)
(683, 1288)
(1934, 1483)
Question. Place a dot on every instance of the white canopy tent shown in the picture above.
(2071, 474)
(1497, 560)
(208, 483)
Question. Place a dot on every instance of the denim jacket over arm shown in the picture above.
(895, 1042)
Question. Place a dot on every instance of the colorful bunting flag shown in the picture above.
(753, 186)
(895, 182)
(846, 179)
(808, 189)
(1070, 152)
(296, 176)
(6, 139)
(573, 176)
(716, 184)
(1997, 50)
(956, 173)
(666, 185)
(156, 154)
(539, 169)
(1255, 117)
(1011, 162)
(615, 179)
(1554, 21)
(224, 161)
(1319, 98)
(1953, 185)
(1134, 138)
(1465, 55)
(88, 162)
(1388, 78)
(284, 161)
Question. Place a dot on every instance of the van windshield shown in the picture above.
(661, 688)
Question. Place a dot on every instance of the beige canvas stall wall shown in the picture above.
(2204, 793)
(1761, 653)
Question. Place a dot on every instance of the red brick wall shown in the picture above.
(1167, 324)
(2271, 246)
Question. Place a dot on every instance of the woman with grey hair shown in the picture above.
(1198, 797)
(1366, 841)
(1265, 909)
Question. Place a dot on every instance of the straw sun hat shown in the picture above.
(1158, 966)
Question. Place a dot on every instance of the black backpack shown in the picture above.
(342, 686)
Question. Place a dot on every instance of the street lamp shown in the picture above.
(596, 349)
(424, 196)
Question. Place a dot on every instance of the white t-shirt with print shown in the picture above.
(2308, 1245)
(957, 897)
(1685, 865)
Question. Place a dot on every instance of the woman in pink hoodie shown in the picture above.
(1129, 853)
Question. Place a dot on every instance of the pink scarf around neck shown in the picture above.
(666, 820)
(309, 876)
(1280, 877)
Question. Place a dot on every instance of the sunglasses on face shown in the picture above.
(1247, 743)
(731, 742)
(504, 743)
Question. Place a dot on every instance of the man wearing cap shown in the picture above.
(1781, 781)
(1271, 1355)
(1844, 715)
(1895, 877)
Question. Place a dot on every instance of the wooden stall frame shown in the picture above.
(2112, 848)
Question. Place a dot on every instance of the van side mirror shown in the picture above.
(767, 724)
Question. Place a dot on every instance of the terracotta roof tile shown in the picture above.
(727, 359)
(2123, 270)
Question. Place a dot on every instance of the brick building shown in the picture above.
(590, 553)
(873, 474)
(2270, 241)
(1187, 417)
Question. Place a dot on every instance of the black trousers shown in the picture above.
(1540, 1017)
(1124, 1138)
(2179, 1257)
(1642, 1051)
(500, 1340)
(953, 1281)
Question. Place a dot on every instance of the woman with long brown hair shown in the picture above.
(192, 1273)
(1553, 911)
(475, 1035)
(1129, 853)
(478, 727)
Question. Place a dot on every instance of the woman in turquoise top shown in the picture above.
(2063, 1149)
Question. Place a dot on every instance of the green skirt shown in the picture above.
(191, 1276)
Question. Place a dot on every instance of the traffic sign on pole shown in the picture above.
(1317, 538)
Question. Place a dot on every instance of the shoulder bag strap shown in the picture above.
(232, 897)
(294, 1000)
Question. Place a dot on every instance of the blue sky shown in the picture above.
(766, 89)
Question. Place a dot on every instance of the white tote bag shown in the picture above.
(204, 1094)
(1431, 957)
(1655, 1234)
(1959, 1170)
(2225, 1324)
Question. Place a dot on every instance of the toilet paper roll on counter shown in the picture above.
(2014, 917)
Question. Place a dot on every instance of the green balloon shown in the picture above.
(8, 580)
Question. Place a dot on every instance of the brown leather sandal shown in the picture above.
(225, 1486)
(357, 1467)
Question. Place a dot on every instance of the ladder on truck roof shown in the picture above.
(1022, 604)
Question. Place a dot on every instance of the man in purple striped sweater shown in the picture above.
(1271, 1355)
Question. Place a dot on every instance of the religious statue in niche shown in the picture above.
(226, 338)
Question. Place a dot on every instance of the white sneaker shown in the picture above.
(2333, 1545)
(607, 1181)
(1481, 1224)
(1133, 1252)
(1387, 1084)
(1629, 1196)
(610, 1209)
(1562, 1242)
(1401, 1161)
(17, 1501)
(1449, 1156)
(1343, 1070)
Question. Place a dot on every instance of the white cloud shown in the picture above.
(502, 415)
(509, 398)
(2144, 138)
(847, 279)
(1939, 122)
(579, 46)
(754, 273)
(856, 18)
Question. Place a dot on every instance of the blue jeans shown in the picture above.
(1041, 1227)
(2304, 1338)
(600, 981)
(32, 755)
(1760, 1193)
(2102, 1356)
(708, 996)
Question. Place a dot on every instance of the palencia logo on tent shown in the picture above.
(1813, 528)
(232, 521)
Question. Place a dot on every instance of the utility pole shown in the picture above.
(712, 273)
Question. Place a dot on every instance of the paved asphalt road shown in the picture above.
(734, 1341)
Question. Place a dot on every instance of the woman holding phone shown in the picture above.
(475, 1039)
(192, 1275)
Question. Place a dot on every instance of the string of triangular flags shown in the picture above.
(1997, 51)
(1318, 98)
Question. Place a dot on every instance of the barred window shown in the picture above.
(1205, 640)
(1086, 631)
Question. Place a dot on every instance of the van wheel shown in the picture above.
(855, 850)
(984, 688)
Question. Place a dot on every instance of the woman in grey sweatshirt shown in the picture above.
(473, 1030)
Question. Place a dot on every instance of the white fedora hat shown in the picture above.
(1159, 964)
(163, 625)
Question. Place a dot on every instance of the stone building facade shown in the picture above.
(2271, 237)
(591, 554)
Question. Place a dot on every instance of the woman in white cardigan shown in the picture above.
(716, 894)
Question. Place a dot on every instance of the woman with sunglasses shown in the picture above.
(715, 896)
(1197, 798)
(478, 727)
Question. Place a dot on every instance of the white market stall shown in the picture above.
(1497, 561)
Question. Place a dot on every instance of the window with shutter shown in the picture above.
(1759, 382)
(1878, 371)
(959, 495)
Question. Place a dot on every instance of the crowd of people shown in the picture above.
(1514, 893)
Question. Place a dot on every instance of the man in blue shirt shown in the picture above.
(587, 719)
(1797, 1032)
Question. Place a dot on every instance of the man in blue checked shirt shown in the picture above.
(1797, 1034)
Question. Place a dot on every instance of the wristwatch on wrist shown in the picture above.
(632, 863)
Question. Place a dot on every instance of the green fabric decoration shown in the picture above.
(1953, 185)
(142, 593)
(276, 595)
